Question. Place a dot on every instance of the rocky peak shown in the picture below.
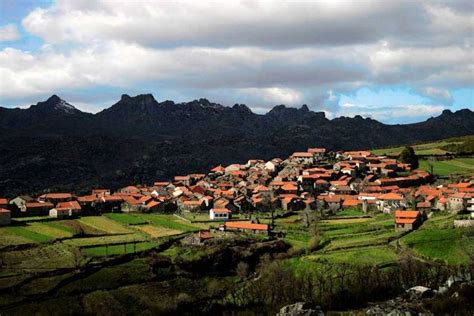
(55, 104)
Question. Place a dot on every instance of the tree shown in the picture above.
(242, 270)
(431, 165)
(408, 156)
(315, 233)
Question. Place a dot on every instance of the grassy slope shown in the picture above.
(438, 239)
(432, 148)
(447, 167)
(441, 168)
(370, 241)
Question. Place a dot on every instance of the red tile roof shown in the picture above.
(317, 150)
(181, 178)
(221, 211)
(350, 202)
(391, 197)
(192, 203)
(289, 187)
(112, 198)
(39, 205)
(73, 205)
(423, 205)
(58, 196)
(87, 198)
(301, 155)
(161, 183)
(408, 214)
(152, 204)
(205, 234)
(246, 225)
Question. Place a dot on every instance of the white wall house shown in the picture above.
(219, 214)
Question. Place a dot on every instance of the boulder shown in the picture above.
(418, 292)
(300, 309)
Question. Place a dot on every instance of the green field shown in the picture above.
(438, 239)
(373, 240)
(351, 212)
(134, 271)
(447, 167)
(172, 222)
(118, 249)
(95, 230)
(105, 224)
(48, 257)
(26, 233)
(341, 233)
(127, 219)
(441, 147)
(366, 256)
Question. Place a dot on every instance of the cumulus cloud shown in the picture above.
(404, 112)
(260, 51)
(437, 93)
(275, 95)
(260, 23)
(9, 32)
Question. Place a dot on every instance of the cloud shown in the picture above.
(405, 112)
(275, 95)
(437, 93)
(249, 23)
(260, 52)
(9, 32)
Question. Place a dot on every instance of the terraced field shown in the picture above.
(437, 239)
(104, 224)
(448, 167)
(154, 231)
(48, 257)
(55, 243)
(376, 255)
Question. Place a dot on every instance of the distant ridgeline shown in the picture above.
(53, 145)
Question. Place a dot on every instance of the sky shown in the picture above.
(394, 61)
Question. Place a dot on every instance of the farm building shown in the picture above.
(66, 209)
(55, 197)
(458, 201)
(407, 220)
(246, 227)
(200, 237)
(219, 214)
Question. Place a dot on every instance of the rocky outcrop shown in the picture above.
(300, 309)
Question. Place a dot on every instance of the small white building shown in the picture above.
(470, 206)
(5, 217)
(60, 212)
(65, 210)
(219, 214)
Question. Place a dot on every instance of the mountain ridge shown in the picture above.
(148, 100)
(139, 139)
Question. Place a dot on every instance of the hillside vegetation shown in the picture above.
(456, 145)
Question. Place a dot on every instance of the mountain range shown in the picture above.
(54, 146)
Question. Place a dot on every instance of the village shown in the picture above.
(317, 213)
(238, 195)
